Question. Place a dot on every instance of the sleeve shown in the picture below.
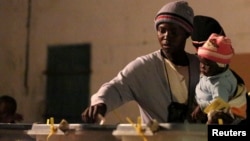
(238, 104)
(121, 88)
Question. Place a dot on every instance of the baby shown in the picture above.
(218, 93)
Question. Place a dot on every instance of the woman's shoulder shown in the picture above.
(150, 60)
(150, 57)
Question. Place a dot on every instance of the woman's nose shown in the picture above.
(165, 35)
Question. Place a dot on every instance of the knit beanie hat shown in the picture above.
(217, 48)
(178, 12)
(204, 26)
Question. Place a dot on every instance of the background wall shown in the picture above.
(118, 30)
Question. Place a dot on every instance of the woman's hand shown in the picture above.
(92, 114)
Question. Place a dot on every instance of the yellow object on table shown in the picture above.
(138, 127)
(53, 129)
(217, 104)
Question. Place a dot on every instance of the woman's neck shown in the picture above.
(179, 58)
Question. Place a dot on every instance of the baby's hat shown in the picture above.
(217, 48)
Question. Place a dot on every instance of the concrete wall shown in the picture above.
(118, 30)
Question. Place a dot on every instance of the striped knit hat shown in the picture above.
(178, 12)
(217, 48)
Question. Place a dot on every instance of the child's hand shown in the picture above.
(214, 116)
(198, 114)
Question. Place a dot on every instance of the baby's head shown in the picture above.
(217, 48)
(216, 53)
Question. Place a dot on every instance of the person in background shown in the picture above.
(8, 107)
(162, 82)
(204, 26)
(218, 83)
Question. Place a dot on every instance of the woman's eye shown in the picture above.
(162, 30)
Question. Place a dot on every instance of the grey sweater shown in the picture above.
(144, 81)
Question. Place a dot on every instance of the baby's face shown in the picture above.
(209, 68)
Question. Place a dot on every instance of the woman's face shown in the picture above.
(171, 37)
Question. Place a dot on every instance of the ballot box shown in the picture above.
(74, 132)
(165, 131)
(15, 132)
